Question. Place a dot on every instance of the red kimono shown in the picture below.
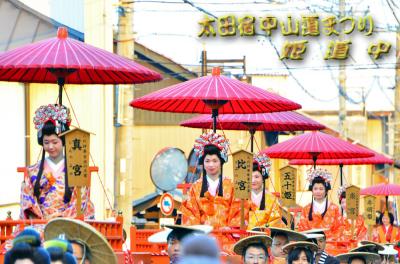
(330, 221)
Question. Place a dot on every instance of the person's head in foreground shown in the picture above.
(199, 249)
(300, 252)
(358, 258)
(24, 253)
(60, 251)
(253, 249)
(282, 237)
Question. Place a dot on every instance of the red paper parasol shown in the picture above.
(316, 145)
(65, 60)
(376, 159)
(282, 121)
(214, 94)
(383, 189)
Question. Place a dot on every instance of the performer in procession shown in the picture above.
(253, 249)
(386, 232)
(360, 231)
(280, 238)
(265, 209)
(321, 213)
(210, 198)
(45, 193)
(300, 252)
(317, 236)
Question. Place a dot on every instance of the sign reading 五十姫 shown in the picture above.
(288, 186)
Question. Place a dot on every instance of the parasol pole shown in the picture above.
(387, 203)
(252, 132)
(341, 174)
(214, 117)
(60, 82)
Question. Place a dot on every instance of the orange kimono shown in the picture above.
(330, 221)
(360, 231)
(391, 236)
(270, 216)
(209, 210)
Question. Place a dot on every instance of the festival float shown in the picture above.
(232, 104)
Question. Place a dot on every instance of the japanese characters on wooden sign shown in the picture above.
(77, 144)
(369, 210)
(288, 186)
(352, 202)
(242, 173)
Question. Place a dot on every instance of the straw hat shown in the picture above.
(292, 235)
(369, 257)
(372, 248)
(388, 250)
(257, 239)
(161, 237)
(292, 245)
(73, 229)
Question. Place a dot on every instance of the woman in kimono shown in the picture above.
(45, 193)
(265, 209)
(209, 199)
(360, 231)
(386, 232)
(320, 213)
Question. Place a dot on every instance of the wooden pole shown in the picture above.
(78, 202)
(241, 214)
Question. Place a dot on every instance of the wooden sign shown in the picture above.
(288, 186)
(77, 144)
(242, 173)
(352, 202)
(369, 210)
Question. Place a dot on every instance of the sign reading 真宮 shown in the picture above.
(77, 144)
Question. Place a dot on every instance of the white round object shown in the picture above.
(168, 168)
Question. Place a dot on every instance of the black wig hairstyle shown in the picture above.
(25, 251)
(391, 218)
(294, 254)
(357, 257)
(255, 245)
(342, 196)
(327, 186)
(211, 150)
(178, 235)
(49, 129)
(264, 174)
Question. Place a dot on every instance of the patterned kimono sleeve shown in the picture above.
(361, 229)
(273, 208)
(29, 205)
(304, 224)
(235, 211)
(190, 208)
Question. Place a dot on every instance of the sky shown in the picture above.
(170, 27)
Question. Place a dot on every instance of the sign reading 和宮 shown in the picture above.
(352, 202)
(242, 173)
(288, 186)
(306, 26)
(77, 145)
(369, 210)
